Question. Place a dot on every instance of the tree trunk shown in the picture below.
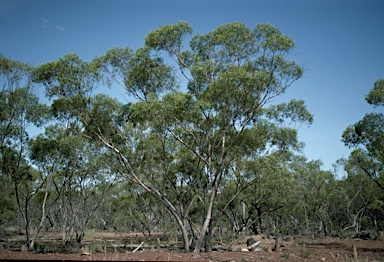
(259, 215)
(79, 236)
(207, 239)
(207, 221)
(40, 226)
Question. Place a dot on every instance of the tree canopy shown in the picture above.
(201, 147)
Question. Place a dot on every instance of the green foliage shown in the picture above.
(295, 111)
(365, 166)
(376, 205)
(148, 75)
(366, 222)
(376, 94)
(380, 225)
(20, 109)
(168, 37)
(367, 136)
(13, 72)
(218, 153)
(368, 132)
(272, 39)
(67, 77)
(140, 73)
(232, 73)
(8, 205)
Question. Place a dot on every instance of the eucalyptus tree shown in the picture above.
(144, 214)
(75, 176)
(79, 169)
(180, 145)
(270, 202)
(258, 184)
(89, 185)
(8, 206)
(57, 156)
(364, 200)
(232, 73)
(367, 136)
(49, 155)
(250, 196)
(71, 81)
(20, 110)
(319, 195)
(18, 102)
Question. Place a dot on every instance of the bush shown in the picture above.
(366, 223)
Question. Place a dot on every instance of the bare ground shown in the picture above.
(109, 247)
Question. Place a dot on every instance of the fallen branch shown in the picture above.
(354, 252)
(138, 247)
(254, 245)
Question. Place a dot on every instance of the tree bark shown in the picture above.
(207, 221)
(40, 226)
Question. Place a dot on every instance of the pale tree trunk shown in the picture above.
(66, 229)
(40, 226)
(208, 237)
(215, 182)
(207, 221)
(185, 237)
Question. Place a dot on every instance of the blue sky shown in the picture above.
(339, 42)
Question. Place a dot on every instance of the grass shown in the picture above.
(286, 254)
(305, 252)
